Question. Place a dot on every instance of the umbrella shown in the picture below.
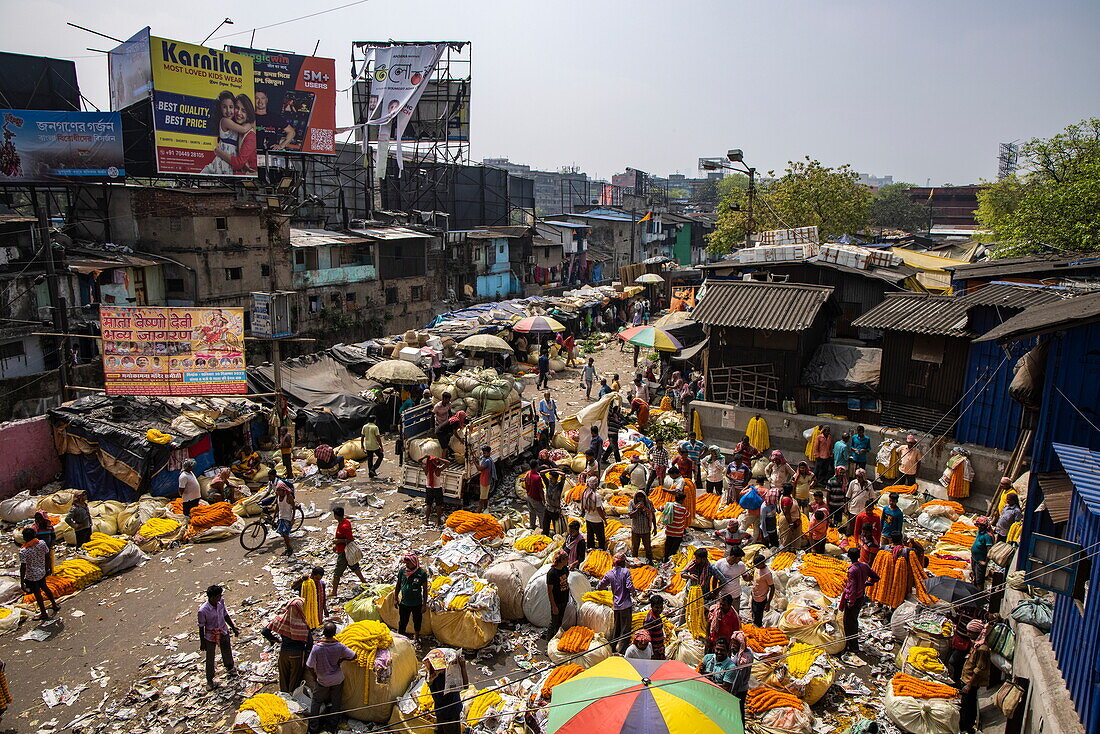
(621, 696)
(649, 278)
(486, 343)
(538, 325)
(398, 372)
(652, 337)
(950, 589)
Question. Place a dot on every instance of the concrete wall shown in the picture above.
(724, 425)
(28, 459)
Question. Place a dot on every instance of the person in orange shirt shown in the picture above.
(819, 529)
(681, 483)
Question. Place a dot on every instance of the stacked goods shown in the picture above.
(900, 489)
(575, 639)
(728, 512)
(367, 604)
(830, 573)
(807, 673)
(80, 572)
(763, 699)
(204, 517)
(603, 598)
(58, 503)
(643, 577)
(18, 508)
(270, 709)
(510, 579)
(926, 660)
(483, 526)
(558, 675)
(369, 693)
(596, 613)
(783, 561)
(101, 546)
(532, 544)
(761, 638)
(707, 506)
(943, 506)
(155, 527)
(906, 685)
(58, 586)
(953, 567)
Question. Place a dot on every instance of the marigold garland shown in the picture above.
(950, 504)
(482, 525)
(154, 527)
(695, 613)
(80, 572)
(310, 608)
(597, 563)
(643, 577)
(481, 705)
(271, 709)
(762, 699)
(102, 546)
(907, 685)
(208, 516)
(760, 638)
(783, 561)
(830, 573)
(532, 544)
(598, 597)
(58, 585)
(729, 512)
(559, 675)
(919, 576)
(707, 506)
(576, 639)
(660, 497)
(638, 619)
(365, 639)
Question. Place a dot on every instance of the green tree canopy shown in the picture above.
(807, 194)
(1053, 202)
(891, 207)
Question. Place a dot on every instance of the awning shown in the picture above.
(322, 237)
(767, 306)
(685, 354)
(389, 233)
(1057, 491)
(88, 265)
(1083, 467)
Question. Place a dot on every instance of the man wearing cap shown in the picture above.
(618, 579)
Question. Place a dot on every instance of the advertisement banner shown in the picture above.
(295, 101)
(173, 351)
(204, 116)
(399, 75)
(131, 76)
(45, 146)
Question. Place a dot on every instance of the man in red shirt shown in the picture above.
(340, 544)
(868, 517)
(536, 495)
(640, 408)
(675, 517)
(433, 496)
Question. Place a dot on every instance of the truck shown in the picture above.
(508, 435)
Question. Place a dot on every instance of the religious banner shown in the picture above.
(173, 351)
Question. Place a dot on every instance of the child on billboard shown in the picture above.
(235, 153)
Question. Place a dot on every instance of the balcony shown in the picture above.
(334, 276)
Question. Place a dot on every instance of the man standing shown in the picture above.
(975, 676)
(35, 565)
(487, 479)
(658, 462)
(214, 627)
(574, 545)
(979, 551)
(568, 345)
(324, 660)
(190, 493)
(557, 588)
(442, 412)
(433, 490)
(291, 631)
(654, 624)
(548, 411)
(615, 424)
(1009, 515)
(869, 519)
(763, 589)
(80, 518)
(909, 461)
(371, 444)
(588, 377)
(859, 492)
(693, 449)
(893, 518)
(594, 514)
(842, 453)
(344, 536)
(411, 593)
(618, 579)
(553, 480)
(837, 496)
(536, 495)
(853, 597)
(861, 448)
(675, 518)
(718, 667)
(823, 453)
(733, 568)
(543, 380)
(446, 679)
(286, 449)
(285, 505)
(643, 518)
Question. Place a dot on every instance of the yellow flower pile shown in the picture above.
(101, 546)
(575, 639)
(154, 527)
(311, 609)
(480, 707)
(695, 613)
(598, 597)
(801, 657)
(438, 587)
(82, 573)
(597, 563)
(532, 544)
(925, 659)
(612, 526)
(271, 709)
(643, 577)
(365, 639)
(783, 561)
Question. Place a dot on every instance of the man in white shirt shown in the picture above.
(734, 569)
(190, 492)
(548, 411)
(859, 491)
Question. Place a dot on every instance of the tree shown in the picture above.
(807, 194)
(892, 208)
(1054, 202)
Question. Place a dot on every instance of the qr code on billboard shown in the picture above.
(321, 139)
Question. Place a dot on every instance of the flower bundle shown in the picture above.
(208, 516)
(707, 506)
(481, 705)
(666, 403)
(597, 563)
(830, 573)
(660, 497)
(611, 526)
(614, 475)
(801, 657)
(950, 504)
(760, 638)
(926, 659)
(598, 597)
(762, 699)
(575, 639)
(80, 572)
(894, 579)
(729, 512)
(532, 544)
(573, 494)
(619, 500)
(483, 526)
(695, 613)
(365, 639)
(271, 709)
(907, 685)
(900, 489)
(676, 583)
(58, 585)
(156, 526)
(102, 546)
(919, 576)
(643, 577)
(783, 561)
(558, 675)
(954, 568)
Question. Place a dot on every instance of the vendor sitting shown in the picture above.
(328, 461)
(247, 464)
(220, 488)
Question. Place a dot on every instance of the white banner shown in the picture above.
(399, 75)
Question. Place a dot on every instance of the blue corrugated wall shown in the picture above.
(1073, 366)
(993, 419)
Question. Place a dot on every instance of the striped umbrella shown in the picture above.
(653, 337)
(538, 325)
(628, 696)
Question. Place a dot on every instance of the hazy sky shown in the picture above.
(918, 90)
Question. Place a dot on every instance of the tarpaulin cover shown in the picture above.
(318, 381)
(843, 368)
(83, 471)
(689, 333)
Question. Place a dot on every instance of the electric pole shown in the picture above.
(58, 306)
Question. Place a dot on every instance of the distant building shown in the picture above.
(555, 191)
(875, 182)
(952, 206)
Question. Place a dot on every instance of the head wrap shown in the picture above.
(292, 622)
(733, 524)
(42, 520)
(975, 627)
(982, 521)
(561, 556)
(777, 455)
(593, 482)
(544, 454)
(641, 637)
(743, 655)
(1006, 480)
(620, 559)
(411, 557)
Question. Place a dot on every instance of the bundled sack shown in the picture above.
(806, 672)
(388, 614)
(596, 613)
(418, 448)
(384, 665)
(352, 449)
(250, 506)
(510, 579)
(112, 555)
(536, 601)
(789, 720)
(1036, 612)
(58, 503)
(138, 513)
(921, 715)
(18, 508)
(9, 618)
(414, 711)
(684, 647)
(814, 627)
(367, 605)
(270, 713)
(465, 611)
(596, 649)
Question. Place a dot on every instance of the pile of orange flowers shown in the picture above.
(707, 506)
(660, 497)
(207, 516)
(760, 700)
(676, 583)
(574, 493)
(763, 637)
(614, 475)
(895, 578)
(611, 526)
(947, 567)
(958, 509)
(643, 577)
(58, 585)
(907, 685)
(619, 500)
(783, 561)
(919, 577)
(483, 526)
(900, 489)
(729, 512)
(830, 573)
(176, 506)
(558, 675)
(597, 563)
(575, 639)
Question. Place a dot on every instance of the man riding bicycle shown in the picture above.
(284, 504)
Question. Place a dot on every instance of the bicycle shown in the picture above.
(254, 534)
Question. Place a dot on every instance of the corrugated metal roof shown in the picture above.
(319, 237)
(1083, 467)
(768, 306)
(571, 225)
(1047, 317)
(389, 233)
(1029, 265)
(1011, 295)
(919, 313)
(1057, 492)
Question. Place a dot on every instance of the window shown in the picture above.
(175, 224)
(233, 273)
(350, 297)
(314, 304)
(417, 293)
(174, 285)
(265, 271)
(391, 296)
(221, 223)
(335, 298)
(546, 253)
(12, 350)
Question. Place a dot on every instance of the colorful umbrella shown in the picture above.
(621, 696)
(649, 278)
(652, 337)
(538, 325)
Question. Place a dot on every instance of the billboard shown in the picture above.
(44, 146)
(38, 83)
(442, 114)
(295, 101)
(204, 116)
(173, 351)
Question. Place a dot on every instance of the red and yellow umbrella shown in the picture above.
(621, 696)
(538, 325)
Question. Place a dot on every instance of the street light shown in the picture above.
(736, 155)
(227, 21)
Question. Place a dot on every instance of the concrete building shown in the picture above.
(555, 191)
(951, 206)
(614, 239)
(875, 182)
